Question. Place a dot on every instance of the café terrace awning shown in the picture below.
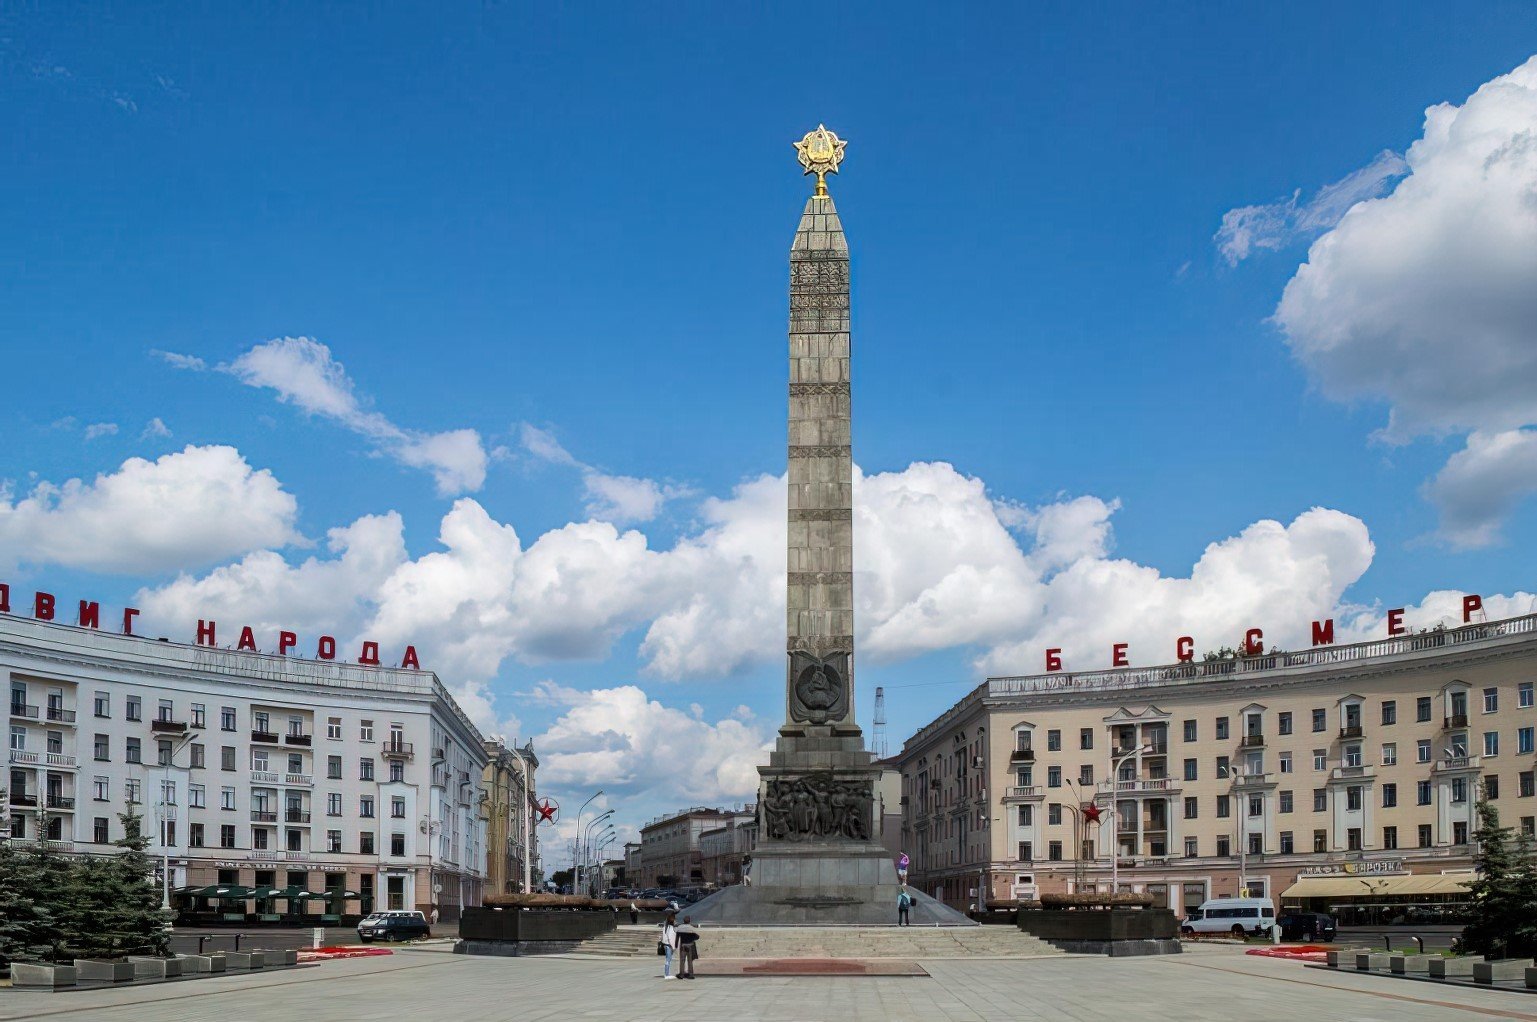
(1378, 887)
(229, 892)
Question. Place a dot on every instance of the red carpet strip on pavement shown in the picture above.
(326, 954)
(1300, 953)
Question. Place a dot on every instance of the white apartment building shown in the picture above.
(358, 785)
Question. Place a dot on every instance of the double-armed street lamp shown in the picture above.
(165, 811)
(584, 846)
(577, 850)
(1115, 827)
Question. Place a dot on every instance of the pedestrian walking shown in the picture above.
(904, 903)
(634, 913)
(667, 946)
(688, 948)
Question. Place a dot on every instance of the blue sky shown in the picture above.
(566, 230)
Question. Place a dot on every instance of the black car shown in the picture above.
(393, 926)
(1306, 926)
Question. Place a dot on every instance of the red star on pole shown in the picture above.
(1091, 812)
(548, 811)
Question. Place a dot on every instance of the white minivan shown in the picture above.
(1238, 916)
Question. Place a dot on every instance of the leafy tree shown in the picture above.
(27, 928)
(1504, 892)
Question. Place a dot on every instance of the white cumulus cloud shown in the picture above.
(183, 510)
(100, 429)
(1423, 299)
(611, 498)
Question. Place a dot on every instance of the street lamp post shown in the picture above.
(1115, 817)
(166, 816)
(577, 845)
(584, 847)
(1237, 774)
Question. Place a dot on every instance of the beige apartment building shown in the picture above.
(670, 855)
(1339, 778)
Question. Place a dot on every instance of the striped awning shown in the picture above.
(1378, 887)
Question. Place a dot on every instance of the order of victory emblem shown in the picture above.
(819, 153)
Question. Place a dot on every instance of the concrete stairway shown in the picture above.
(916, 942)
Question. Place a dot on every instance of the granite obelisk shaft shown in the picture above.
(820, 584)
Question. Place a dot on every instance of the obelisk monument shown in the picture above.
(818, 858)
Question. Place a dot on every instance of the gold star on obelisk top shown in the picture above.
(820, 152)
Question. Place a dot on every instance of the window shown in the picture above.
(1524, 741)
(1286, 842)
(1424, 835)
(261, 721)
(1026, 851)
(1491, 743)
(133, 754)
(1353, 798)
(366, 806)
(1320, 841)
(1422, 793)
(1189, 730)
(1256, 805)
(1190, 848)
(163, 752)
(334, 804)
(103, 705)
(1319, 720)
(196, 836)
(296, 727)
(397, 844)
(1192, 807)
(101, 789)
(1021, 740)
(227, 757)
(1389, 796)
(1529, 825)
(295, 840)
(1524, 694)
(1389, 753)
(226, 835)
(260, 760)
(18, 737)
(1256, 844)
(1352, 755)
(1320, 759)
(197, 796)
(99, 833)
(1460, 832)
(366, 842)
(1285, 799)
(199, 715)
(1491, 787)
(1224, 849)
(365, 769)
(226, 718)
(1224, 766)
(1491, 700)
(1284, 722)
(131, 791)
(1053, 740)
(1054, 851)
(135, 709)
(1320, 800)
(1286, 762)
(1422, 709)
(1026, 815)
(1086, 774)
(165, 710)
(1390, 711)
(198, 756)
(295, 763)
(366, 730)
(1222, 729)
(334, 767)
(1054, 814)
(398, 771)
(1054, 777)
(1422, 751)
(1085, 738)
(334, 728)
(398, 807)
(333, 840)
(1224, 806)
(258, 837)
(1353, 839)
(101, 748)
(226, 798)
(1526, 783)
(1190, 770)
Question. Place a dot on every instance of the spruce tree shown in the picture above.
(1497, 911)
(135, 919)
(27, 929)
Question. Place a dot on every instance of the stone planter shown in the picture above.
(38, 976)
(279, 959)
(1446, 968)
(237, 961)
(89, 971)
(149, 967)
(1504, 970)
(257, 960)
(201, 964)
(1405, 965)
(1381, 961)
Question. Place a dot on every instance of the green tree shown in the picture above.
(27, 928)
(1503, 893)
(139, 921)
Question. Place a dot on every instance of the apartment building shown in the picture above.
(357, 786)
(725, 851)
(511, 814)
(670, 855)
(1333, 777)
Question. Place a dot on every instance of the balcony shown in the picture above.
(1359, 772)
(61, 802)
(1455, 764)
(1139, 786)
(23, 798)
(438, 754)
(1455, 721)
(162, 726)
(59, 759)
(1253, 780)
(265, 853)
(303, 740)
(60, 714)
(1024, 791)
(296, 816)
(51, 844)
(397, 750)
(299, 780)
(24, 710)
(25, 757)
(264, 776)
(1022, 756)
(266, 737)
(1252, 742)
(263, 816)
(1350, 731)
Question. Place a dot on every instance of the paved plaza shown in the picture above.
(432, 984)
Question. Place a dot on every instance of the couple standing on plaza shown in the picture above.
(682, 940)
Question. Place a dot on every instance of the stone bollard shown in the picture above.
(1531, 979)
(1450, 968)
(35, 976)
(1364, 960)
(1404, 965)
(149, 968)
(237, 961)
(90, 971)
(1504, 970)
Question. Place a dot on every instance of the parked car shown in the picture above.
(393, 926)
(1238, 916)
(1306, 926)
